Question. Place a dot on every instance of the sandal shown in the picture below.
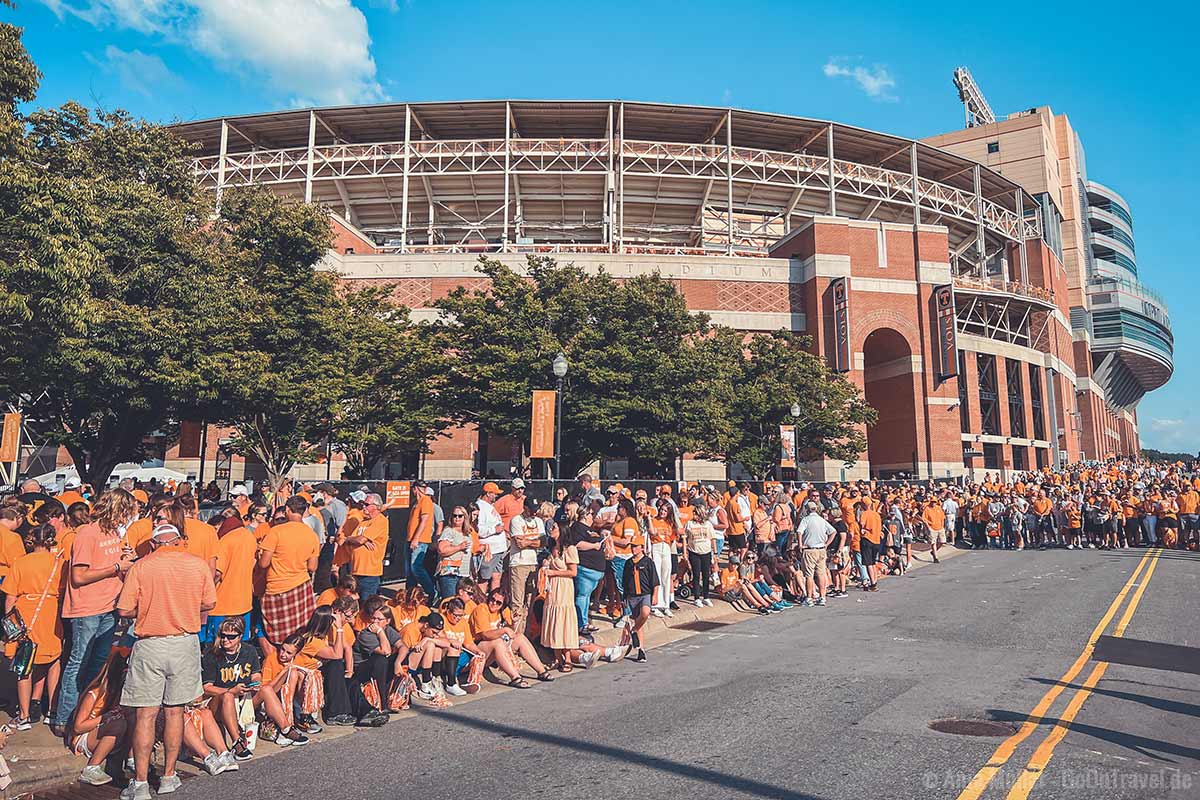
(519, 683)
(564, 668)
(545, 677)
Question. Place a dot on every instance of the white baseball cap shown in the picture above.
(517, 483)
(238, 491)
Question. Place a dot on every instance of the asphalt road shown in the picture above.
(819, 703)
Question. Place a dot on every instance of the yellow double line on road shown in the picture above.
(1041, 756)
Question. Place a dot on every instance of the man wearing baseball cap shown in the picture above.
(492, 536)
(165, 593)
(420, 537)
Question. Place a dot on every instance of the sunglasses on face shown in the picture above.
(228, 636)
(457, 516)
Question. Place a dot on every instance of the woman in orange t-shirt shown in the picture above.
(33, 587)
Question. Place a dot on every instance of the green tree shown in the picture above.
(397, 383)
(282, 385)
(629, 344)
(775, 370)
(105, 279)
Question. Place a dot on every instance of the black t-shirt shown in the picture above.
(226, 671)
(591, 559)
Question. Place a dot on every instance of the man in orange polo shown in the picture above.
(871, 525)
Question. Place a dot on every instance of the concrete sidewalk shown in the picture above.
(39, 761)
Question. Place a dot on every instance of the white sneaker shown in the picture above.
(620, 623)
(698, 603)
(456, 691)
(1070, 547)
(668, 612)
(426, 691)
(231, 764)
(94, 775)
(708, 602)
(140, 790)
(168, 784)
(656, 612)
(212, 763)
(1091, 546)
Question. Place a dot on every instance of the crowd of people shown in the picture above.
(132, 623)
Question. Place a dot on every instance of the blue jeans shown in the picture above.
(367, 585)
(781, 540)
(617, 565)
(91, 641)
(447, 585)
(586, 581)
(417, 572)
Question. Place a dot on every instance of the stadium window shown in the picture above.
(993, 147)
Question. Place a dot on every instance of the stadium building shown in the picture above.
(977, 285)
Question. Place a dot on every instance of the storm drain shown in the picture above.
(700, 625)
(973, 727)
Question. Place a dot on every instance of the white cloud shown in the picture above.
(317, 51)
(137, 71)
(388, 5)
(877, 82)
(1171, 435)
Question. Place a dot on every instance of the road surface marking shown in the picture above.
(1045, 751)
(1006, 749)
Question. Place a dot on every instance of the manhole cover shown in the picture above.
(973, 727)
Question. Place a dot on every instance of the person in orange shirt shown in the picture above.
(871, 526)
(369, 546)
(492, 631)
(289, 554)
(201, 537)
(935, 524)
(420, 536)
(234, 561)
(1189, 513)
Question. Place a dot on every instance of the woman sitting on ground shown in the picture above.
(491, 628)
(283, 682)
(347, 586)
(408, 607)
(375, 654)
(427, 651)
(733, 589)
(232, 671)
(324, 650)
(100, 725)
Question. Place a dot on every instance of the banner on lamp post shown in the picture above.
(787, 446)
(10, 437)
(541, 428)
(947, 332)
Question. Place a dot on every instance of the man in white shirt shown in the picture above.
(815, 535)
(524, 539)
(950, 509)
(492, 536)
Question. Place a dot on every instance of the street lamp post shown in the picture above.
(795, 410)
(559, 367)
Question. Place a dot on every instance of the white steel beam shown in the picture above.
(621, 178)
(916, 188)
(1021, 219)
(790, 208)
(408, 118)
(729, 179)
(829, 153)
(254, 139)
(221, 163)
(507, 167)
(432, 204)
(312, 143)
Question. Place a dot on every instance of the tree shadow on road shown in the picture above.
(1143, 745)
(730, 784)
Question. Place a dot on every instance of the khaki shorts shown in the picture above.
(813, 562)
(937, 537)
(163, 671)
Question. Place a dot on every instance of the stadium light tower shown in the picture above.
(975, 104)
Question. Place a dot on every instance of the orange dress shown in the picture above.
(27, 579)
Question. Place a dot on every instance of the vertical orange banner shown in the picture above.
(541, 429)
(787, 445)
(10, 437)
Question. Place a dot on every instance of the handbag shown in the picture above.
(22, 661)
(13, 626)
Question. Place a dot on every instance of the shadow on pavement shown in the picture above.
(1161, 703)
(730, 783)
(1145, 746)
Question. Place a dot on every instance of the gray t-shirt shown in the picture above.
(367, 641)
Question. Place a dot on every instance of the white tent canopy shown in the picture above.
(120, 473)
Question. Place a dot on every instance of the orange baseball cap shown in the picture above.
(491, 487)
(141, 496)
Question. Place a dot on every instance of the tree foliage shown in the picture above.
(774, 370)
(630, 346)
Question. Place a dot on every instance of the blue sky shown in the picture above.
(1116, 74)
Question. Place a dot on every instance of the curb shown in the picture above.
(32, 776)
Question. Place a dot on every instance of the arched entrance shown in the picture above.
(888, 386)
